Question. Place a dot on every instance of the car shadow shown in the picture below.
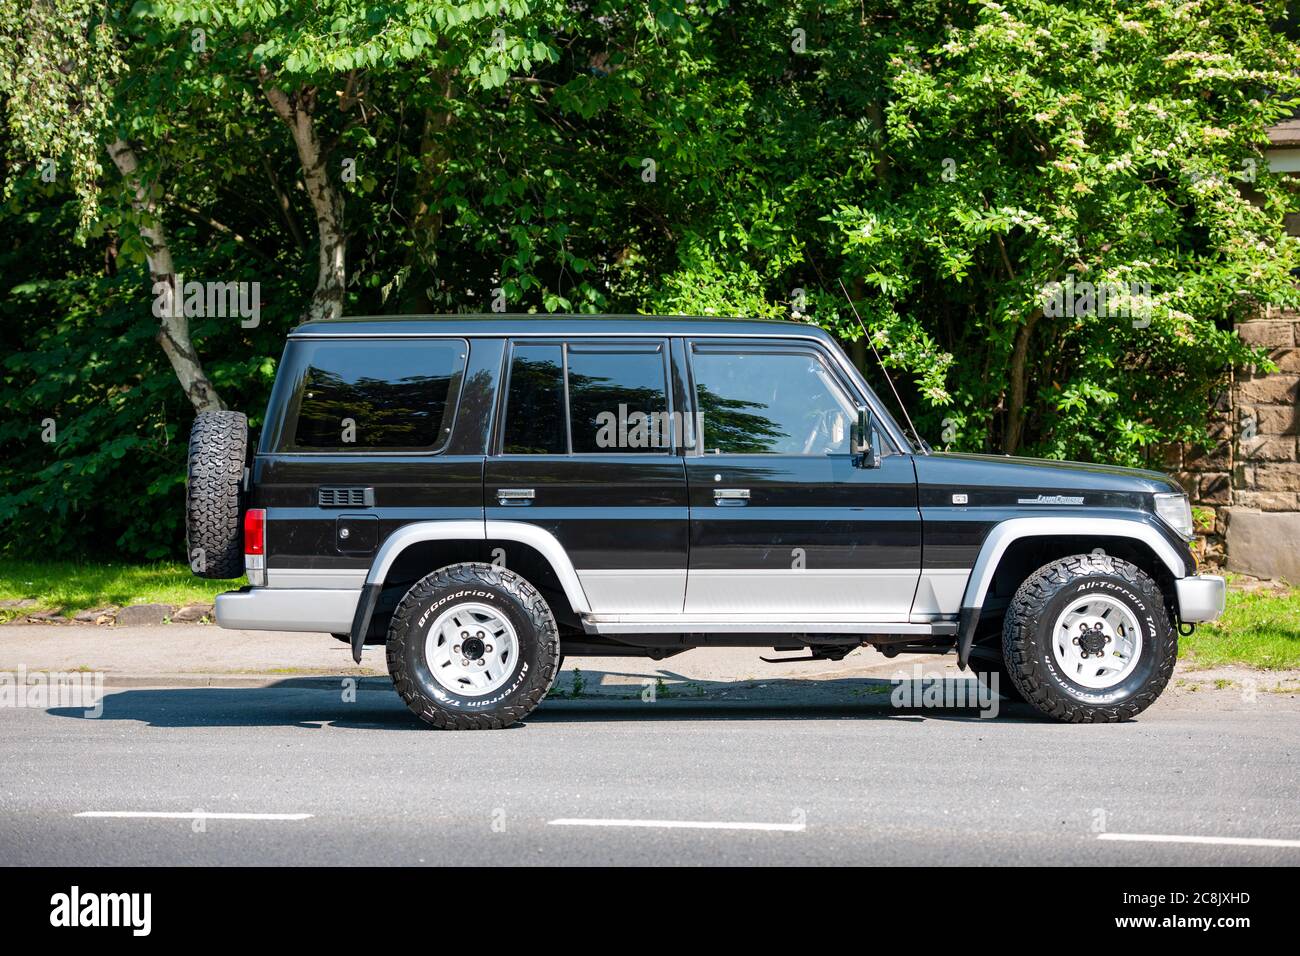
(780, 698)
(316, 702)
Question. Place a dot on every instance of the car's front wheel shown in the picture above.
(1087, 639)
(472, 647)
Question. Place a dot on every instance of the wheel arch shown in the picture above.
(430, 544)
(1014, 545)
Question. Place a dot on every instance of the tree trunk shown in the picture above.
(297, 110)
(426, 221)
(286, 207)
(174, 328)
(1019, 383)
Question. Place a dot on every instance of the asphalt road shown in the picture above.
(827, 783)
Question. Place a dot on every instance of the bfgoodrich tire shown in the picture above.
(472, 647)
(214, 482)
(1087, 640)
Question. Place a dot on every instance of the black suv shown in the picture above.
(485, 494)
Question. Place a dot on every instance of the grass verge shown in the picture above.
(75, 587)
(1258, 629)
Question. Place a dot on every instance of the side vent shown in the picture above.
(345, 497)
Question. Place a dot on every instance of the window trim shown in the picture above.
(898, 441)
(591, 344)
(293, 407)
(789, 347)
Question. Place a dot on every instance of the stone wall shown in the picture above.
(1245, 482)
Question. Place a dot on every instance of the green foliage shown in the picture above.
(1259, 629)
(950, 164)
(76, 586)
(94, 435)
(58, 64)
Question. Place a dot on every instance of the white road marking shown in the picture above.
(1216, 841)
(190, 815)
(679, 824)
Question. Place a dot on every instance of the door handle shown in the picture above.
(730, 496)
(515, 496)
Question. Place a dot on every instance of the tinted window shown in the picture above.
(770, 402)
(618, 399)
(377, 395)
(535, 402)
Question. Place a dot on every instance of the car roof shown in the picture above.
(498, 324)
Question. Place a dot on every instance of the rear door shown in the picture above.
(586, 449)
(781, 519)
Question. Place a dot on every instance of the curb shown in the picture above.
(384, 684)
(286, 681)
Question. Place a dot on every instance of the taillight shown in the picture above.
(255, 546)
(255, 531)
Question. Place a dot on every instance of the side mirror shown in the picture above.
(861, 440)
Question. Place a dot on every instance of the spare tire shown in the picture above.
(214, 494)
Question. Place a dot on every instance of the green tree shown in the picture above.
(950, 163)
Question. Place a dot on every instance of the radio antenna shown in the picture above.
(881, 362)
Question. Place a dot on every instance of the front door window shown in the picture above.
(770, 403)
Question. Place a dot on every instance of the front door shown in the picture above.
(782, 521)
(587, 451)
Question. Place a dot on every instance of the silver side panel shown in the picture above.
(883, 594)
(635, 592)
(939, 593)
(288, 609)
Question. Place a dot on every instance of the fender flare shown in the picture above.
(1012, 530)
(519, 531)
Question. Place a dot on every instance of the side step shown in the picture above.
(758, 624)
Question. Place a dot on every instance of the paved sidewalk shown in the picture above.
(198, 655)
(180, 650)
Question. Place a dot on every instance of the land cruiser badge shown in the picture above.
(1050, 500)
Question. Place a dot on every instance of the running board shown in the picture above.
(737, 624)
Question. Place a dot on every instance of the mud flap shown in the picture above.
(968, 621)
(361, 620)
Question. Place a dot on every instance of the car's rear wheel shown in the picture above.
(472, 647)
(214, 499)
(1087, 639)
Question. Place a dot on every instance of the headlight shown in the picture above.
(1176, 512)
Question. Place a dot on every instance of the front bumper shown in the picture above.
(1200, 597)
(288, 609)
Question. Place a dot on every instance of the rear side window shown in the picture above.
(379, 395)
(616, 399)
(535, 402)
